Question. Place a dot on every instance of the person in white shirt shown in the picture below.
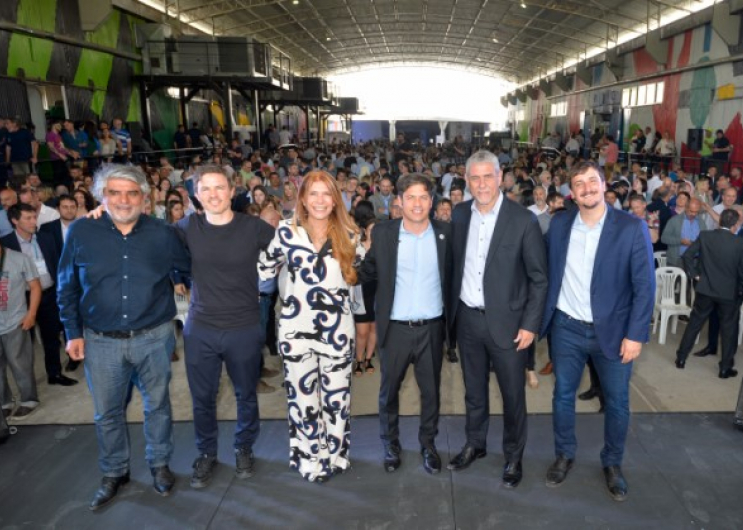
(540, 201)
(29, 195)
(654, 183)
(285, 136)
(448, 178)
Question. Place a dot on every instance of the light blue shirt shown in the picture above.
(418, 283)
(479, 235)
(575, 294)
(5, 226)
(689, 230)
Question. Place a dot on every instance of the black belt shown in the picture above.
(122, 334)
(480, 310)
(265, 294)
(582, 322)
(417, 323)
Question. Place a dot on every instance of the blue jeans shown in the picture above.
(110, 365)
(572, 344)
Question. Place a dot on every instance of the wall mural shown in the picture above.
(705, 98)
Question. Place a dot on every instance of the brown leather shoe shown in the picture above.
(547, 370)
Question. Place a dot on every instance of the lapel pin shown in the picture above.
(441, 236)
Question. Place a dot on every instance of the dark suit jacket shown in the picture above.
(381, 264)
(54, 229)
(240, 202)
(515, 277)
(716, 256)
(46, 244)
(623, 281)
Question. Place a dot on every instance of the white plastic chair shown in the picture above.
(669, 302)
(181, 308)
(660, 258)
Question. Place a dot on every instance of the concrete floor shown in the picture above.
(684, 473)
(657, 386)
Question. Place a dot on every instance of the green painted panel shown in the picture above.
(96, 104)
(32, 54)
(106, 34)
(39, 14)
(96, 66)
(167, 109)
(134, 106)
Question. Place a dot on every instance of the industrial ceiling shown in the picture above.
(510, 39)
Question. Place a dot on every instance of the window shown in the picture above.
(640, 95)
(559, 109)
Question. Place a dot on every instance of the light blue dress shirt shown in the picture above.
(418, 283)
(575, 294)
(689, 230)
(479, 235)
(5, 226)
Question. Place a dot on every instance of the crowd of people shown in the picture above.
(330, 255)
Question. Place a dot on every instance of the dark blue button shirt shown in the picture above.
(111, 282)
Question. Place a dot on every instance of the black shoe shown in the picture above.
(431, 460)
(704, 352)
(392, 456)
(730, 372)
(615, 483)
(738, 424)
(680, 364)
(512, 474)
(62, 380)
(72, 366)
(589, 394)
(451, 355)
(463, 460)
(203, 468)
(108, 490)
(244, 462)
(558, 471)
(163, 480)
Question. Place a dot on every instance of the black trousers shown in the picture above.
(713, 331)
(50, 327)
(239, 350)
(423, 347)
(479, 352)
(728, 313)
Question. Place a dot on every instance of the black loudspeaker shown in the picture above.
(695, 139)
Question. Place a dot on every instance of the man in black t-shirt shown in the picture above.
(403, 148)
(223, 325)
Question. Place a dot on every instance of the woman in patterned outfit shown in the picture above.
(313, 255)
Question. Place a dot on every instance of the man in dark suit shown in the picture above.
(498, 291)
(411, 260)
(715, 261)
(600, 300)
(67, 207)
(40, 247)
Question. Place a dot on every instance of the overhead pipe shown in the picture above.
(62, 39)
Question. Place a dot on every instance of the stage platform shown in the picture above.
(685, 471)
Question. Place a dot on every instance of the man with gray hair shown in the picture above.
(498, 293)
(117, 306)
